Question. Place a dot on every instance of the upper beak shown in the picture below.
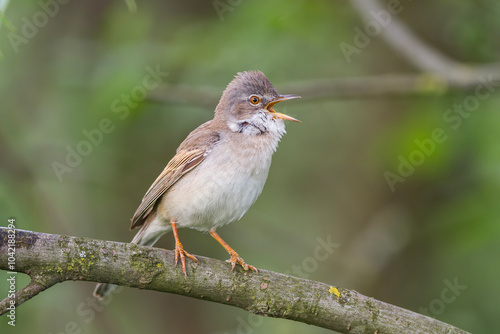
(271, 104)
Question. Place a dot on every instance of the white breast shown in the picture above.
(224, 186)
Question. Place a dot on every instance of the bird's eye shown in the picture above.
(254, 99)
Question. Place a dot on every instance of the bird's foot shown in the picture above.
(235, 258)
(181, 253)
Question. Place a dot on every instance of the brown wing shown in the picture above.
(189, 155)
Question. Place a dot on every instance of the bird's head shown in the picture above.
(248, 101)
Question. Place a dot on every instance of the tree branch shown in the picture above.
(439, 74)
(24, 294)
(418, 52)
(408, 44)
(51, 258)
(373, 86)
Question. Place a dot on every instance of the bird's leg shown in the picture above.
(235, 258)
(179, 250)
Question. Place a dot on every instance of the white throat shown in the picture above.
(260, 123)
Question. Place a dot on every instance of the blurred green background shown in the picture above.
(405, 247)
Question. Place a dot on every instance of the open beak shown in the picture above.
(270, 105)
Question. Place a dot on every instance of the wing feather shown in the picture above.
(190, 154)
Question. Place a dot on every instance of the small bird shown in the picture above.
(218, 172)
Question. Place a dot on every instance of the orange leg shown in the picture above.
(235, 258)
(179, 250)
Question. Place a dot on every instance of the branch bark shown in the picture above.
(49, 259)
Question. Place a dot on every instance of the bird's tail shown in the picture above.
(148, 235)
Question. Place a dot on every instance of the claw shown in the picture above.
(181, 253)
(179, 250)
(235, 258)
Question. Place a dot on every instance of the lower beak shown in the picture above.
(270, 105)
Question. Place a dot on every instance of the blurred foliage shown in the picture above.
(327, 177)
